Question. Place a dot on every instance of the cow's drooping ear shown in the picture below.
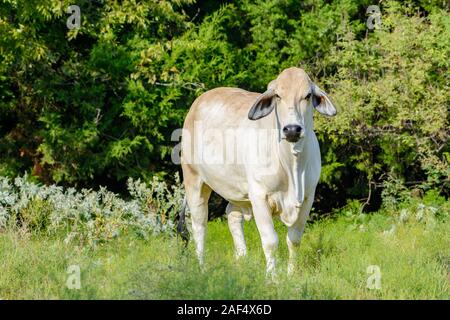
(322, 102)
(263, 105)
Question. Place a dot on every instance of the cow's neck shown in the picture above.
(294, 163)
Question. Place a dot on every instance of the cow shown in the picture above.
(279, 181)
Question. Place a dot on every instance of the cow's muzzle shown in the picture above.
(292, 132)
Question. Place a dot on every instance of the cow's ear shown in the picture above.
(263, 105)
(322, 102)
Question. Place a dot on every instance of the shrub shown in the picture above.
(392, 92)
(90, 216)
(96, 105)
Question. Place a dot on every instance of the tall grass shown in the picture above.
(126, 249)
(413, 255)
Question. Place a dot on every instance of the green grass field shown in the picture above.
(413, 257)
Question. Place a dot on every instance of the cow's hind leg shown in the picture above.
(235, 223)
(295, 233)
(197, 196)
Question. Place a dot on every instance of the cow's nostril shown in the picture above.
(292, 132)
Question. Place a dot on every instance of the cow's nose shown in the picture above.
(292, 132)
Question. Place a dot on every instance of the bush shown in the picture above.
(392, 91)
(88, 216)
(96, 105)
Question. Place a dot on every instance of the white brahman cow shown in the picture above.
(260, 153)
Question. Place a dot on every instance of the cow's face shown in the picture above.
(293, 96)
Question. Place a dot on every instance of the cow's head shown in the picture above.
(294, 96)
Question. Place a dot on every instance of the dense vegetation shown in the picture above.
(337, 259)
(88, 217)
(119, 249)
(97, 105)
(87, 114)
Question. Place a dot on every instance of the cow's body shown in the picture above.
(249, 164)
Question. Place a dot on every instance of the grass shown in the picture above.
(413, 257)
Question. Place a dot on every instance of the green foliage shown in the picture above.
(97, 105)
(35, 216)
(66, 94)
(393, 95)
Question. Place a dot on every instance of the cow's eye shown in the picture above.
(308, 96)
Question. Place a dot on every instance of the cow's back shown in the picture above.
(221, 106)
(212, 120)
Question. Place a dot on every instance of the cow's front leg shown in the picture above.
(269, 237)
(295, 233)
(235, 223)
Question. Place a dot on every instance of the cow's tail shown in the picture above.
(182, 230)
